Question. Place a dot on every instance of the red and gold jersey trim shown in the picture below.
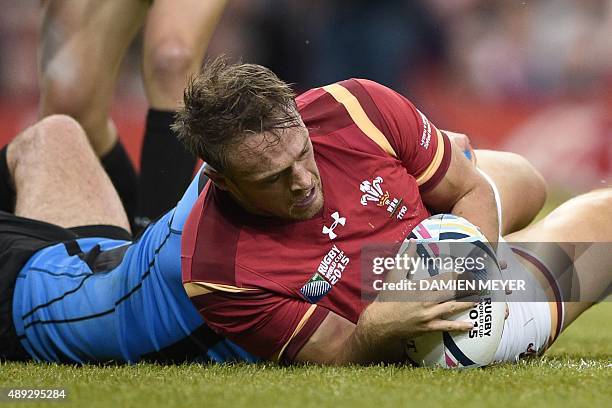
(359, 116)
(298, 328)
(194, 289)
(433, 167)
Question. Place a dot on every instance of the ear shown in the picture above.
(217, 178)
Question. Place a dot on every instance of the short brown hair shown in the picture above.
(225, 102)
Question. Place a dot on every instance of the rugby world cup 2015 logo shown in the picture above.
(315, 288)
(374, 193)
(329, 272)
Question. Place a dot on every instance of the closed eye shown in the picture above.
(305, 151)
(272, 179)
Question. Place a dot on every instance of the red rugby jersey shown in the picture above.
(268, 284)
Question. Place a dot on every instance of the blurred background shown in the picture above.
(533, 76)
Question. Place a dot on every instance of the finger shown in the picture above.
(507, 312)
(448, 325)
(435, 297)
(450, 308)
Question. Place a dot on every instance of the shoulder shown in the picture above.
(210, 242)
(342, 104)
(355, 100)
(342, 92)
(190, 197)
(359, 106)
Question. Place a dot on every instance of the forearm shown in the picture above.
(465, 192)
(478, 206)
(374, 339)
(513, 174)
(380, 333)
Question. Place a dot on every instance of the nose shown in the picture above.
(301, 179)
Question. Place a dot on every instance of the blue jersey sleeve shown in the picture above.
(67, 313)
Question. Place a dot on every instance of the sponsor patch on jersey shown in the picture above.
(315, 288)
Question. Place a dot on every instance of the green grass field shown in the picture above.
(577, 371)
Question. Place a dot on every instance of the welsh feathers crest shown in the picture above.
(374, 192)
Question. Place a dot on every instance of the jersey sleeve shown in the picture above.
(399, 128)
(268, 325)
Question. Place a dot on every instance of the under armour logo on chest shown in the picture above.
(338, 220)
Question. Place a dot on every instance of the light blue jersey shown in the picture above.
(107, 299)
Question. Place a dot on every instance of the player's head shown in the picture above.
(242, 120)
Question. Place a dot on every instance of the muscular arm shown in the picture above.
(338, 341)
(514, 175)
(511, 174)
(465, 192)
(448, 181)
(384, 325)
(379, 333)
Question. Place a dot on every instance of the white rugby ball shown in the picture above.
(438, 236)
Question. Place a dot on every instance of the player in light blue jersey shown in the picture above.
(74, 287)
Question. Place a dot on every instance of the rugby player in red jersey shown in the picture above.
(271, 251)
